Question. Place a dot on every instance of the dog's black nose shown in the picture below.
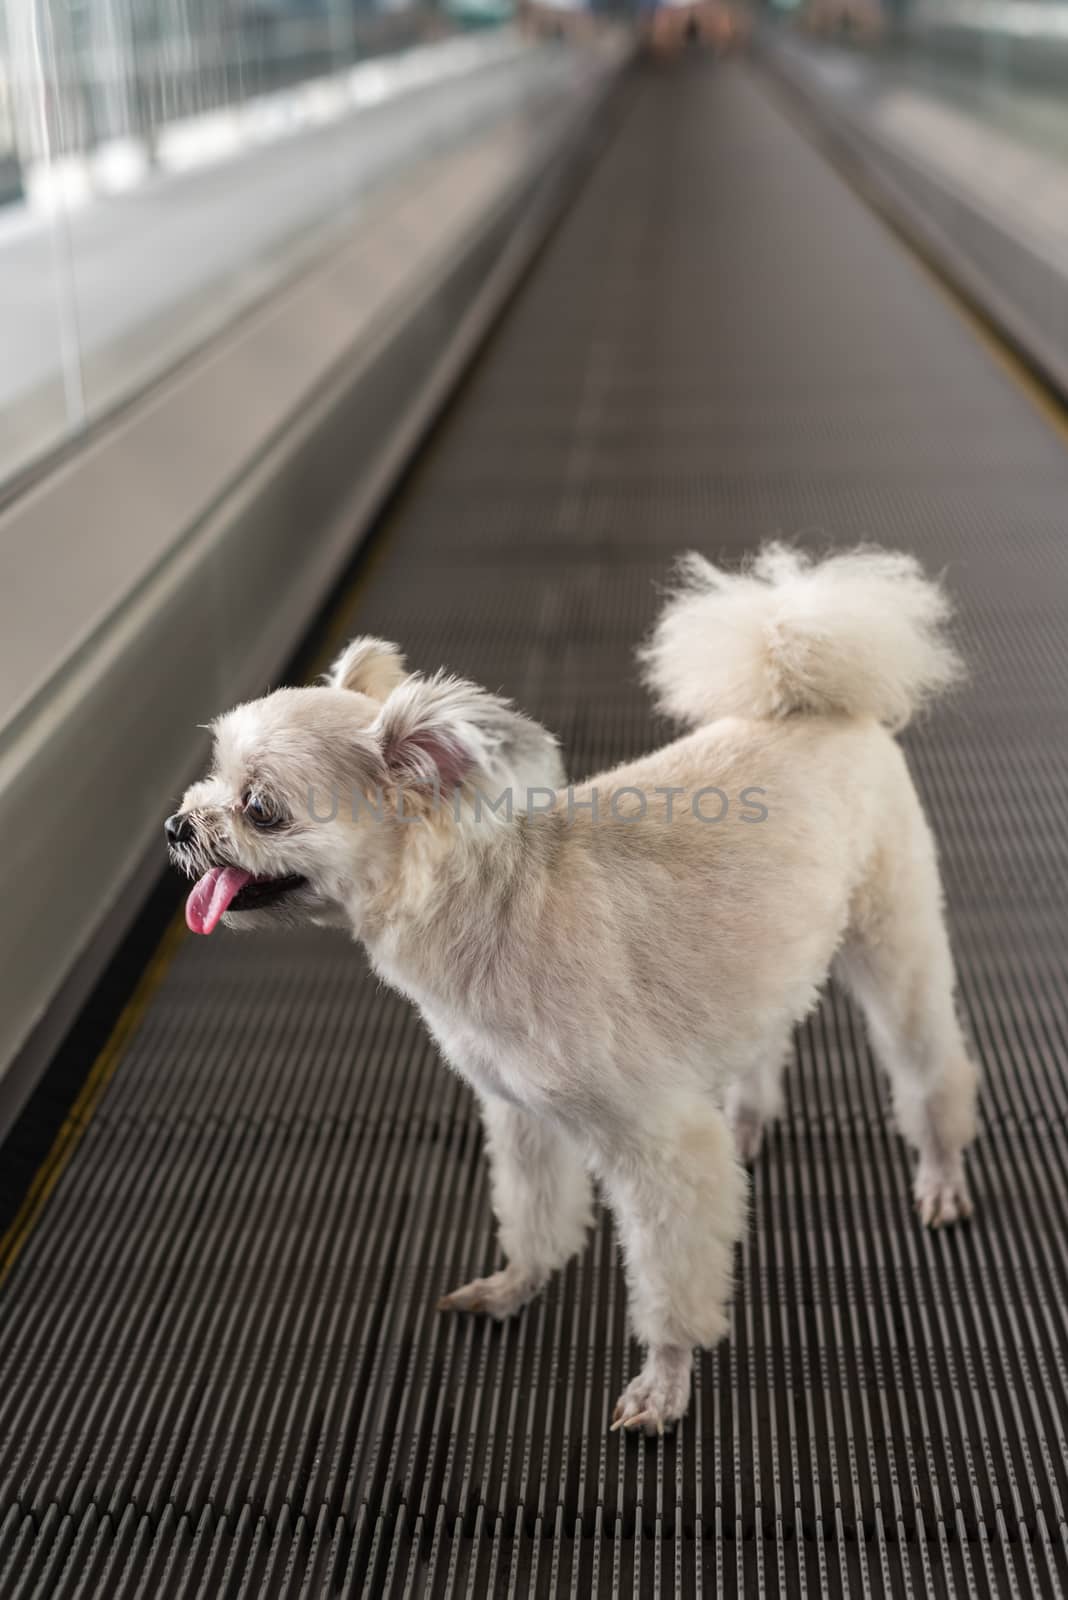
(179, 828)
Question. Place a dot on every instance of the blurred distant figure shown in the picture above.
(669, 26)
(557, 19)
(859, 19)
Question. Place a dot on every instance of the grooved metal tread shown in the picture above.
(221, 1373)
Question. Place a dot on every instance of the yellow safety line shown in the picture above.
(106, 1064)
(330, 644)
(1042, 396)
(67, 1139)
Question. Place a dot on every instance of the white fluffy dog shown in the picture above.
(616, 968)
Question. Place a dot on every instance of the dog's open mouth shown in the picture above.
(224, 889)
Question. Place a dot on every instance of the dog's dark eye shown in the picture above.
(260, 811)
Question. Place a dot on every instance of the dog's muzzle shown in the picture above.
(178, 828)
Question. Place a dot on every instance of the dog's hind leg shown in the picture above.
(678, 1193)
(543, 1203)
(897, 962)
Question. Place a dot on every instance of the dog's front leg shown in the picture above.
(542, 1200)
(678, 1195)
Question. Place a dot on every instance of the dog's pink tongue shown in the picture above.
(211, 895)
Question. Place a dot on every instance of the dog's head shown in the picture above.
(313, 792)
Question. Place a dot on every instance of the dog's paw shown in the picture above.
(657, 1397)
(941, 1197)
(500, 1295)
(747, 1130)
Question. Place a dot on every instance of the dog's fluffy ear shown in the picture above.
(445, 733)
(373, 667)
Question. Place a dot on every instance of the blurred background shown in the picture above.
(163, 161)
(455, 323)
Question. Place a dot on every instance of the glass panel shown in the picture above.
(967, 99)
(41, 392)
(998, 66)
(162, 162)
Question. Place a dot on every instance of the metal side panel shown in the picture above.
(221, 1370)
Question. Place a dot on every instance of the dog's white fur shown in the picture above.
(621, 993)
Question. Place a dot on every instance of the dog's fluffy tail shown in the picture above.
(860, 634)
